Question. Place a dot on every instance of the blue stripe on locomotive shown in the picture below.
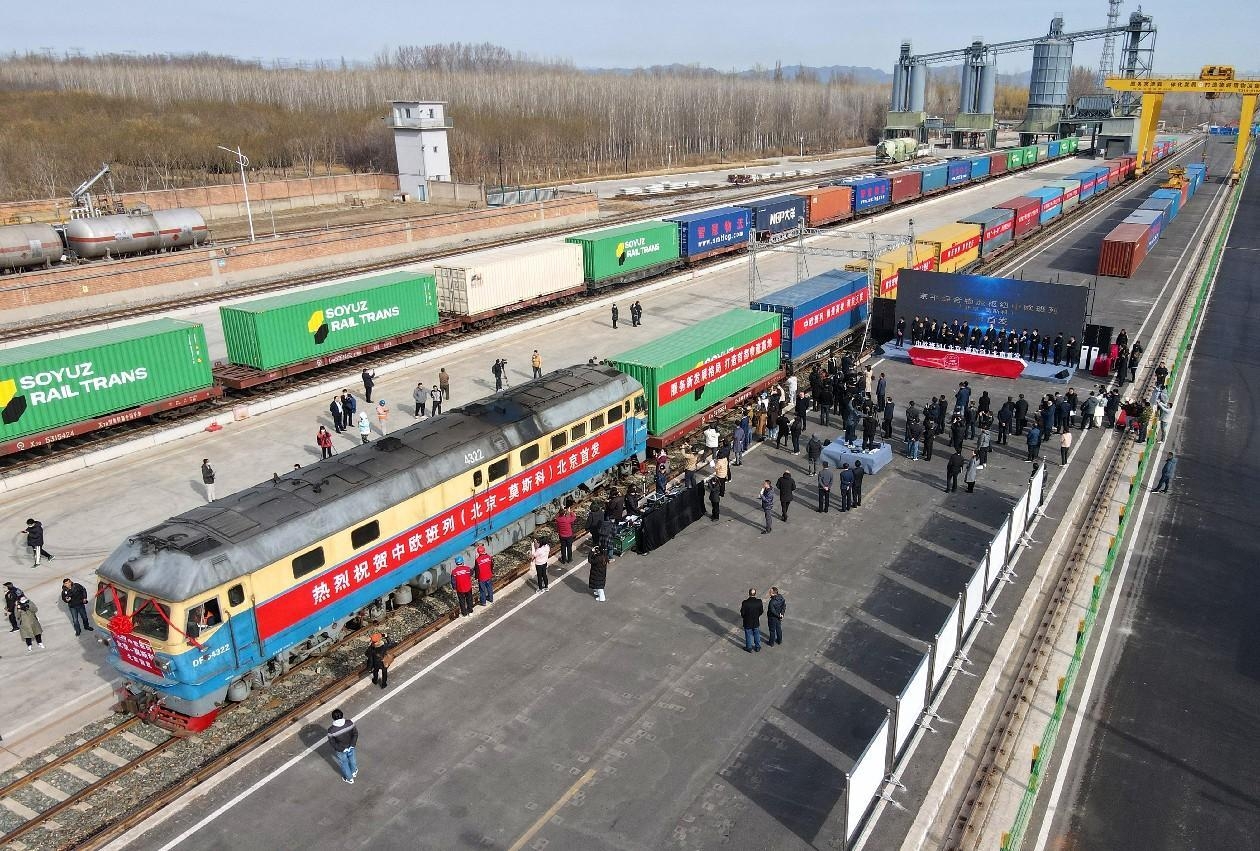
(219, 672)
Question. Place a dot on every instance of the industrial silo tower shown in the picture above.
(1048, 88)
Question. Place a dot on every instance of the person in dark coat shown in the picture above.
(1166, 474)
(75, 597)
(379, 658)
(35, 537)
(846, 487)
(12, 594)
(1006, 416)
(952, 469)
(889, 410)
(750, 612)
(714, 488)
(929, 437)
(599, 573)
(616, 314)
(369, 379)
(349, 407)
(859, 473)
(813, 451)
(776, 608)
(344, 737)
(338, 414)
(1021, 414)
(786, 486)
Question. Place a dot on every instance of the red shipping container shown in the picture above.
(1115, 175)
(827, 204)
(1128, 166)
(997, 163)
(1123, 251)
(906, 185)
(1027, 213)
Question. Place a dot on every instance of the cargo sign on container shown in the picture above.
(711, 231)
(622, 251)
(817, 311)
(869, 192)
(691, 370)
(301, 326)
(779, 214)
(57, 383)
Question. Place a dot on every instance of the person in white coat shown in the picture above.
(365, 427)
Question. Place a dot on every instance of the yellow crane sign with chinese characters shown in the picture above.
(1212, 81)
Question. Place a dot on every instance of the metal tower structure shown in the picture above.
(1137, 60)
(1108, 59)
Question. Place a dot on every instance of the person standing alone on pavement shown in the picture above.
(540, 551)
(344, 737)
(776, 608)
(75, 597)
(786, 486)
(35, 533)
(380, 657)
(750, 612)
(420, 396)
(323, 439)
(365, 427)
(535, 361)
(616, 314)
(599, 573)
(1166, 474)
(767, 505)
(825, 481)
(369, 379)
(207, 479)
(444, 382)
(497, 372)
(1065, 444)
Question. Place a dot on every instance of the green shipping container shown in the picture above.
(302, 326)
(621, 251)
(1068, 145)
(1014, 159)
(1030, 155)
(694, 369)
(59, 383)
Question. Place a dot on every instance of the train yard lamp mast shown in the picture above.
(243, 161)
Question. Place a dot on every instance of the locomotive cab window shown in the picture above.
(365, 534)
(597, 422)
(236, 595)
(204, 617)
(558, 441)
(105, 604)
(308, 562)
(151, 619)
(477, 478)
(577, 432)
(614, 414)
(499, 469)
(638, 404)
(529, 454)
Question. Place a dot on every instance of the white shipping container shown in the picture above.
(482, 281)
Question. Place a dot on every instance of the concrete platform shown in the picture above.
(88, 511)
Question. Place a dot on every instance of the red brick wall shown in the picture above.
(47, 286)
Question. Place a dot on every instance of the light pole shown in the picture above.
(669, 155)
(243, 161)
(802, 146)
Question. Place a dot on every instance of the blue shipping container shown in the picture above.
(1089, 183)
(1153, 219)
(778, 214)
(1173, 195)
(1054, 148)
(934, 177)
(1104, 178)
(869, 193)
(979, 167)
(711, 231)
(1163, 205)
(817, 311)
(997, 227)
(959, 172)
(1051, 198)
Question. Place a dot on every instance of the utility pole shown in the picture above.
(243, 161)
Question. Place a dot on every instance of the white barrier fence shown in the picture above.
(881, 759)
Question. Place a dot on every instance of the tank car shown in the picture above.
(212, 603)
(136, 232)
(30, 245)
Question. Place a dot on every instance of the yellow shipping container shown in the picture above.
(888, 267)
(956, 246)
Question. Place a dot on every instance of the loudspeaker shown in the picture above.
(883, 319)
(1063, 374)
(1098, 336)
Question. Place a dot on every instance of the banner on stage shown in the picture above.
(1005, 303)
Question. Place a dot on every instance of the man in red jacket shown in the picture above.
(485, 574)
(461, 579)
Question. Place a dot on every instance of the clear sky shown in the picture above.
(724, 34)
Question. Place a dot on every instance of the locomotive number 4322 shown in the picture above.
(474, 456)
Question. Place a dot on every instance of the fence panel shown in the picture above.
(865, 779)
(910, 705)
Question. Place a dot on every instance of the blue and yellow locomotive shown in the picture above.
(219, 600)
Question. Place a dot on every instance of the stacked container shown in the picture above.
(625, 253)
(70, 380)
(1176, 196)
(711, 232)
(935, 177)
(906, 185)
(301, 326)
(816, 312)
(956, 246)
(1164, 206)
(487, 281)
(827, 204)
(958, 171)
(997, 228)
(777, 215)
(1155, 222)
(689, 371)
(1027, 213)
(1051, 200)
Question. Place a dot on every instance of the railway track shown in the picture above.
(1056, 605)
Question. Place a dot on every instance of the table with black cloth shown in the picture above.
(662, 519)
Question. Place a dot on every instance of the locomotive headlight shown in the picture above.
(166, 665)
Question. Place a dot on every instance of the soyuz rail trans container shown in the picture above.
(1163, 206)
(711, 232)
(1154, 220)
(827, 204)
(1088, 181)
(57, 383)
(486, 282)
(869, 193)
(626, 253)
(300, 326)
(935, 177)
(997, 228)
(691, 370)
(817, 311)
(777, 215)
(27, 246)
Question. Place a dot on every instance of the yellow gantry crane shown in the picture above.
(1213, 81)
